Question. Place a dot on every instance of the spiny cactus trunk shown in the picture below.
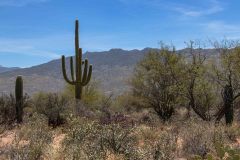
(78, 91)
(19, 99)
(228, 104)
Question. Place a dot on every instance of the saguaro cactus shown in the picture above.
(82, 75)
(19, 98)
(228, 104)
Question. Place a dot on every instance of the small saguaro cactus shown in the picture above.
(228, 104)
(19, 98)
(82, 75)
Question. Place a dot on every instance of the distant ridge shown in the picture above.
(5, 69)
(111, 68)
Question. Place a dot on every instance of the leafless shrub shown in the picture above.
(31, 141)
(8, 110)
(53, 106)
(166, 147)
(200, 138)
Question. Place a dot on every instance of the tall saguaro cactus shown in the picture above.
(82, 74)
(19, 98)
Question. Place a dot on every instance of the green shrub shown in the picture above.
(156, 81)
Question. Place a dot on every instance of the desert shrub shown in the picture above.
(227, 152)
(53, 106)
(200, 138)
(117, 118)
(127, 103)
(148, 134)
(223, 152)
(232, 132)
(118, 140)
(8, 109)
(156, 81)
(32, 140)
(81, 140)
(157, 143)
(166, 146)
(91, 94)
(89, 140)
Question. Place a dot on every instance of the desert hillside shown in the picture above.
(111, 69)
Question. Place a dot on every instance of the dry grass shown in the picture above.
(88, 138)
(82, 138)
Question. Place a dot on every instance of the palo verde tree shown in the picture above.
(82, 74)
(155, 81)
(198, 88)
(227, 74)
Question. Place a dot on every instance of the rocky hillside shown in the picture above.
(5, 69)
(111, 69)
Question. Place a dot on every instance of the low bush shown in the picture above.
(201, 138)
(166, 146)
(94, 141)
(8, 108)
(53, 106)
(32, 141)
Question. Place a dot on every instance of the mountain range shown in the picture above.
(112, 69)
(5, 69)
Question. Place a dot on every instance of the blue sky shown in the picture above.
(36, 31)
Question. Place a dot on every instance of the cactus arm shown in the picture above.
(88, 76)
(85, 71)
(72, 69)
(64, 72)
